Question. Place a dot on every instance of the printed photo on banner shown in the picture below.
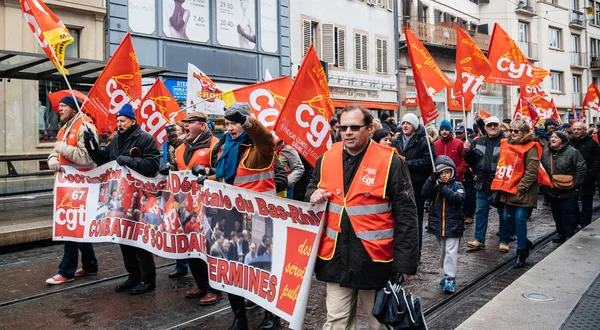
(236, 23)
(186, 19)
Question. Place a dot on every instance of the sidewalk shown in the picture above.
(25, 218)
(562, 291)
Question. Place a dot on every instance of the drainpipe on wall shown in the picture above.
(397, 58)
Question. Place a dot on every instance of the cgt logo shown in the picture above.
(70, 212)
(368, 177)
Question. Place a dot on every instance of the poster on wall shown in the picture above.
(269, 35)
(236, 23)
(141, 14)
(186, 19)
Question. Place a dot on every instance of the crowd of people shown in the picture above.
(380, 180)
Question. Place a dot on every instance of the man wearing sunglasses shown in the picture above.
(138, 151)
(482, 156)
(371, 231)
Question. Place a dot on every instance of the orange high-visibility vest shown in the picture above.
(72, 140)
(258, 180)
(511, 165)
(200, 157)
(366, 202)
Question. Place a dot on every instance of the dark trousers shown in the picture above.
(199, 270)
(68, 264)
(564, 212)
(139, 263)
(469, 203)
(420, 209)
(585, 215)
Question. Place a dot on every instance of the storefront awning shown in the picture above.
(32, 66)
(367, 104)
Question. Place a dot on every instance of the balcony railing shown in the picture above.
(577, 19)
(524, 8)
(529, 49)
(578, 59)
(446, 36)
(595, 62)
(577, 99)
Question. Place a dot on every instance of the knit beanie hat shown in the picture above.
(550, 121)
(380, 134)
(70, 102)
(242, 107)
(446, 125)
(127, 111)
(412, 119)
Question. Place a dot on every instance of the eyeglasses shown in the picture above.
(492, 125)
(515, 131)
(353, 128)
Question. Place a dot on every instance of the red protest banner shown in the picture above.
(304, 120)
(472, 67)
(49, 31)
(266, 99)
(119, 83)
(155, 113)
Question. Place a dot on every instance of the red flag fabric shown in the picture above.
(304, 120)
(119, 83)
(49, 31)
(542, 106)
(484, 115)
(555, 114)
(472, 67)
(155, 113)
(509, 65)
(266, 99)
(575, 119)
(543, 177)
(583, 118)
(55, 97)
(526, 111)
(454, 102)
(429, 78)
(531, 92)
(592, 98)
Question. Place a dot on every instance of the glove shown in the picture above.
(164, 170)
(60, 147)
(236, 117)
(397, 278)
(90, 140)
(124, 160)
(53, 164)
(199, 170)
(201, 179)
(439, 187)
(434, 176)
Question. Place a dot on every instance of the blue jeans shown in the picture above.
(481, 217)
(181, 266)
(564, 212)
(68, 264)
(519, 215)
(585, 215)
(469, 204)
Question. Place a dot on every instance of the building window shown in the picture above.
(340, 48)
(390, 5)
(554, 38)
(594, 47)
(557, 82)
(309, 35)
(524, 38)
(72, 50)
(437, 16)
(382, 55)
(361, 48)
(577, 90)
(597, 16)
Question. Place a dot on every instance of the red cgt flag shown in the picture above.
(526, 111)
(592, 98)
(266, 99)
(304, 120)
(429, 78)
(509, 65)
(158, 106)
(472, 67)
(49, 31)
(555, 114)
(531, 92)
(119, 83)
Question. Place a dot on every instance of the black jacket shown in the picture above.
(566, 160)
(351, 266)
(446, 217)
(590, 150)
(145, 161)
(417, 157)
(483, 159)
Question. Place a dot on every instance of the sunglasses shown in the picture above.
(515, 131)
(353, 128)
(492, 125)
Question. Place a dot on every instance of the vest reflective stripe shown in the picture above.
(201, 156)
(254, 177)
(366, 203)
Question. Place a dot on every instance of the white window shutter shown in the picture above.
(384, 60)
(341, 48)
(306, 35)
(378, 55)
(357, 51)
(390, 5)
(364, 50)
(327, 43)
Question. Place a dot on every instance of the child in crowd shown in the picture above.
(446, 220)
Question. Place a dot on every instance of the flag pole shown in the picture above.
(464, 112)
(195, 104)
(428, 145)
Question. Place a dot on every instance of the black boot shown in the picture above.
(528, 247)
(240, 322)
(521, 257)
(270, 322)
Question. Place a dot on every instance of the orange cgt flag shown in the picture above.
(472, 67)
(429, 78)
(304, 120)
(592, 98)
(158, 106)
(455, 102)
(49, 31)
(119, 83)
(526, 110)
(509, 64)
(555, 114)
(266, 99)
(484, 115)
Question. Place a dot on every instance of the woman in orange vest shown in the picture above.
(516, 181)
(70, 150)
